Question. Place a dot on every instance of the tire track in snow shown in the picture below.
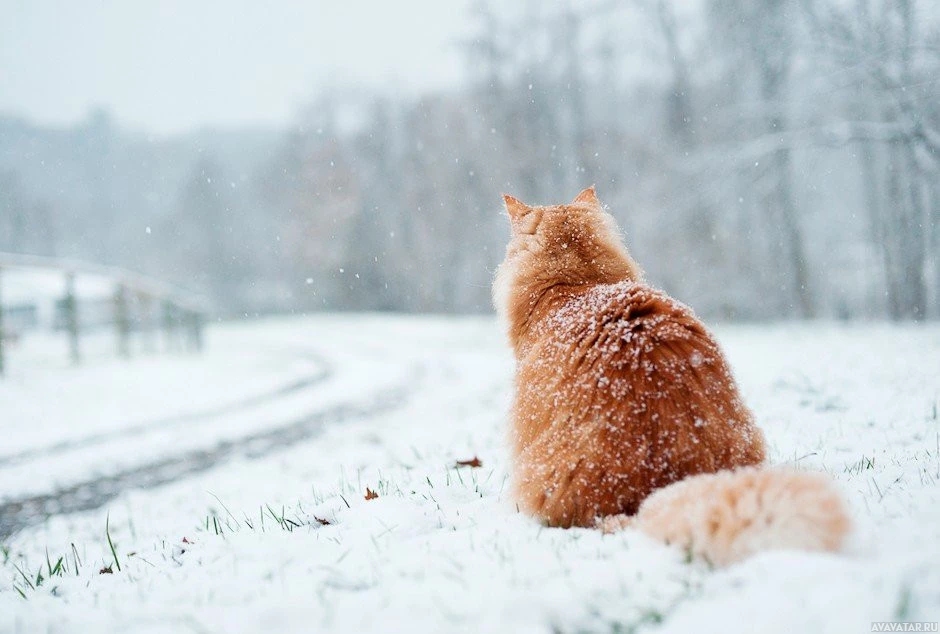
(324, 373)
(92, 494)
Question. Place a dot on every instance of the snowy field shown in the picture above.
(227, 492)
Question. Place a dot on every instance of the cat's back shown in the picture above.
(625, 349)
(627, 375)
(626, 324)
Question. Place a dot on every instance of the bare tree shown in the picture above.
(893, 62)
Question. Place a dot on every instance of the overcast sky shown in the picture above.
(173, 65)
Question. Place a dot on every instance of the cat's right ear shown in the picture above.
(587, 197)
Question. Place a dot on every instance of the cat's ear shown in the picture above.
(516, 208)
(587, 197)
(524, 219)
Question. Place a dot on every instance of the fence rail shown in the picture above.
(181, 313)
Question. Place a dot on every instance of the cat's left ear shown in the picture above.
(587, 197)
(515, 207)
(522, 218)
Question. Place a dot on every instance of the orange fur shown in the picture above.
(727, 516)
(620, 390)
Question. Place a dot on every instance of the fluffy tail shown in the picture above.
(727, 516)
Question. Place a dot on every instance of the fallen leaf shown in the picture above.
(473, 463)
(322, 521)
(370, 494)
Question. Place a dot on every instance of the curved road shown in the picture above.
(272, 434)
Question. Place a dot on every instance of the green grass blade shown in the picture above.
(107, 531)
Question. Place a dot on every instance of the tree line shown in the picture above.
(766, 159)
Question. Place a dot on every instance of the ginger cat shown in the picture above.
(621, 391)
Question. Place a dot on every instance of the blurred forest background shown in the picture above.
(766, 158)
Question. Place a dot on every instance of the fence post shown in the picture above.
(195, 331)
(70, 307)
(122, 321)
(3, 334)
(169, 325)
(147, 322)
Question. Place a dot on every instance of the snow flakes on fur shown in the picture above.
(622, 391)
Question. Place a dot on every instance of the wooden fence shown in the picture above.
(137, 303)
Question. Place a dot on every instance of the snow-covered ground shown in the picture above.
(233, 488)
